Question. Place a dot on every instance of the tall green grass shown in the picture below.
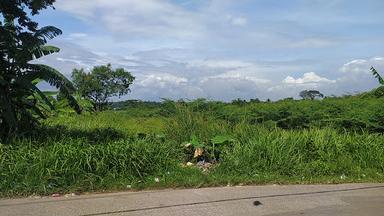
(119, 149)
(306, 153)
(185, 123)
(266, 149)
(73, 165)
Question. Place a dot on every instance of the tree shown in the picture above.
(311, 94)
(102, 83)
(21, 41)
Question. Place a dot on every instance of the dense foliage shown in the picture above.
(101, 83)
(148, 144)
(352, 113)
(20, 42)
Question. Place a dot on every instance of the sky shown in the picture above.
(223, 49)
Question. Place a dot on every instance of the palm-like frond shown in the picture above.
(54, 78)
(37, 47)
(41, 51)
(47, 32)
(377, 75)
(50, 75)
(26, 87)
(42, 96)
(50, 93)
(21, 42)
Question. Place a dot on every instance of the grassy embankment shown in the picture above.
(329, 141)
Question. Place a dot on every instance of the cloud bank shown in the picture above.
(217, 79)
(225, 49)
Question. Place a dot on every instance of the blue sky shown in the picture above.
(224, 49)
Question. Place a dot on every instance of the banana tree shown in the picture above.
(21, 101)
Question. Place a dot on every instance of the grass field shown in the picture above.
(148, 146)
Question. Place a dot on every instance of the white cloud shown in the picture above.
(378, 59)
(78, 62)
(77, 35)
(220, 48)
(357, 76)
(362, 66)
(233, 75)
(218, 25)
(217, 79)
(161, 80)
(310, 77)
(238, 21)
(219, 63)
(355, 66)
(137, 18)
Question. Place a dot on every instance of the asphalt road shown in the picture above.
(346, 199)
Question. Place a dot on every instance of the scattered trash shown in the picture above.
(157, 179)
(205, 166)
(200, 163)
(55, 195)
(189, 164)
(129, 186)
(198, 152)
(70, 195)
(342, 177)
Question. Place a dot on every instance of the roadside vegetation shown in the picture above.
(77, 140)
(136, 145)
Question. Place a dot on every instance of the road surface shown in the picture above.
(272, 200)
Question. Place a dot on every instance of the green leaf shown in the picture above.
(38, 112)
(54, 78)
(221, 139)
(195, 142)
(50, 93)
(377, 76)
(47, 32)
(27, 85)
(43, 97)
(41, 51)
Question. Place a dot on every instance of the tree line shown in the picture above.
(22, 103)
